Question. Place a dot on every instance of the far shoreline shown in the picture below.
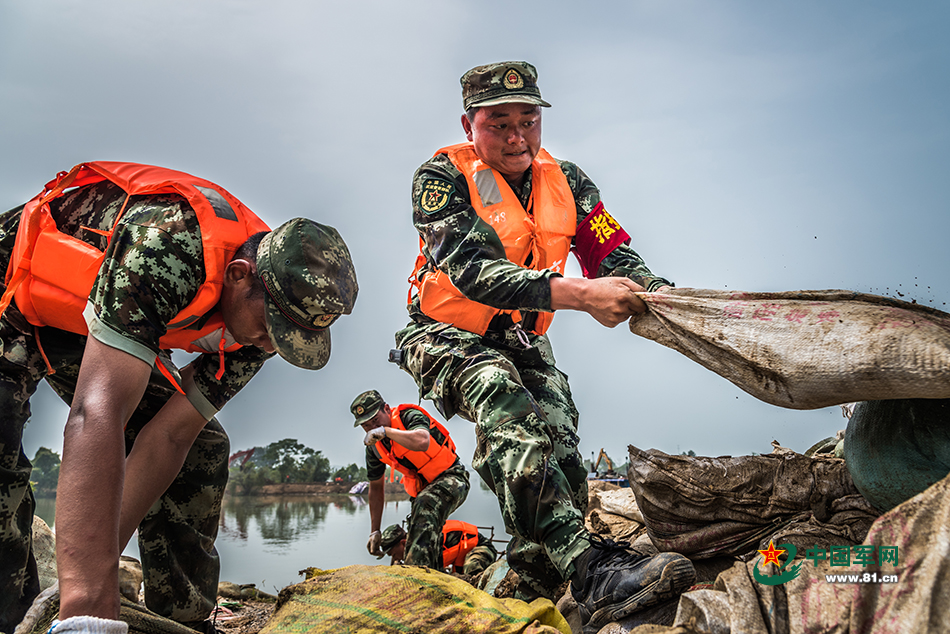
(394, 490)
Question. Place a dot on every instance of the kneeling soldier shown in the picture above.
(463, 548)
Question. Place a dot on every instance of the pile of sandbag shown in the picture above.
(612, 512)
(822, 598)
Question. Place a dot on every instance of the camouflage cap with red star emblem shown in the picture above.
(502, 82)
(365, 406)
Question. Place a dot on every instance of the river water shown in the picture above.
(267, 540)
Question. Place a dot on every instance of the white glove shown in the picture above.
(373, 544)
(88, 625)
(374, 435)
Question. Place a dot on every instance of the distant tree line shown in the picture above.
(286, 462)
(45, 472)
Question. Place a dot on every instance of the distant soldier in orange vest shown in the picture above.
(497, 217)
(108, 268)
(407, 439)
(464, 549)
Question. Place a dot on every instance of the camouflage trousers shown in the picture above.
(430, 509)
(478, 559)
(526, 433)
(176, 538)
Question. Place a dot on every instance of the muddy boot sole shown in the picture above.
(676, 577)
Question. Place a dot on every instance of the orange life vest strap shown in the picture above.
(39, 344)
(168, 375)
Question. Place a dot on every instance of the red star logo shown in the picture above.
(771, 555)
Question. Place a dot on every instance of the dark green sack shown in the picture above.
(897, 449)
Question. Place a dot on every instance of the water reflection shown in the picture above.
(282, 519)
(46, 510)
(267, 540)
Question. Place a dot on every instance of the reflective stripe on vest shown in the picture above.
(455, 555)
(544, 235)
(51, 273)
(428, 464)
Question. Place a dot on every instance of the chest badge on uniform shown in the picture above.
(513, 79)
(435, 195)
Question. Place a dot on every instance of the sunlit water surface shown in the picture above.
(267, 540)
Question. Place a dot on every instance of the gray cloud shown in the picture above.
(743, 146)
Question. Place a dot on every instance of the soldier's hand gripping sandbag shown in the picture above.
(806, 349)
(374, 543)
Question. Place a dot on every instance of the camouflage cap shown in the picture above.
(310, 281)
(502, 82)
(365, 406)
(392, 535)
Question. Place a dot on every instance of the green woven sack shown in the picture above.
(897, 449)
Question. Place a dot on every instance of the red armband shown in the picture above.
(596, 237)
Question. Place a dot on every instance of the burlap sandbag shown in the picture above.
(140, 619)
(398, 599)
(706, 507)
(806, 349)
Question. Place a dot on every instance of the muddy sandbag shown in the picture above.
(492, 576)
(897, 449)
(612, 512)
(914, 597)
(708, 507)
(44, 551)
(130, 578)
(806, 349)
(398, 599)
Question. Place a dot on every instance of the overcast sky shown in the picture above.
(743, 145)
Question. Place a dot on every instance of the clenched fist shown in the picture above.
(374, 435)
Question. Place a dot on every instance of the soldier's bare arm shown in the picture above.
(411, 439)
(156, 458)
(109, 387)
(377, 498)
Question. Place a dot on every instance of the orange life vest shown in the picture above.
(51, 273)
(455, 555)
(428, 464)
(543, 234)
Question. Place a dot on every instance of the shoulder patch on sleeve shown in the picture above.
(435, 195)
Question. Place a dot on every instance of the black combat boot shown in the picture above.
(613, 580)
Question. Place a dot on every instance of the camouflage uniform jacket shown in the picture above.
(412, 419)
(468, 250)
(152, 270)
